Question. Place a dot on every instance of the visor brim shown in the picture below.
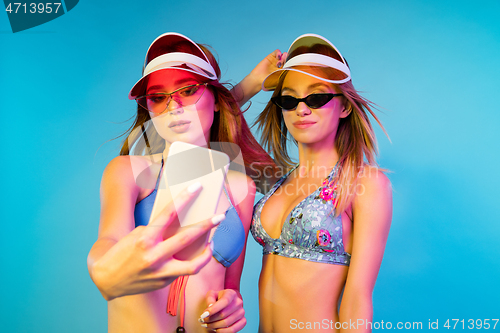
(139, 87)
(271, 81)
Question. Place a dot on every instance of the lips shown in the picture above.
(179, 126)
(178, 123)
(303, 124)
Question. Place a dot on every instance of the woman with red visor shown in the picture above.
(179, 98)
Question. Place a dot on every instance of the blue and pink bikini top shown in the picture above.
(311, 231)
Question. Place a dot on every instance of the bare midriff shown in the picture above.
(294, 292)
(147, 312)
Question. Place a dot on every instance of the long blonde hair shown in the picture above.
(355, 140)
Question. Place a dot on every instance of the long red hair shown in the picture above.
(229, 125)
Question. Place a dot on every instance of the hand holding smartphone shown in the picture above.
(184, 165)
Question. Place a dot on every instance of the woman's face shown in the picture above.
(188, 123)
(312, 126)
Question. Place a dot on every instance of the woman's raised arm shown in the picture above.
(251, 84)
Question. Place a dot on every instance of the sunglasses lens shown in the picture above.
(189, 95)
(316, 101)
(157, 103)
(286, 102)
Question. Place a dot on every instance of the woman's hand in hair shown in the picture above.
(269, 64)
(142, 261)
(252, 83)
(225, 312)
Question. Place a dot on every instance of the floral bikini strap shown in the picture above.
(329, 187)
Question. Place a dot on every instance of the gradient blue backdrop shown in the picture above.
(432, 67)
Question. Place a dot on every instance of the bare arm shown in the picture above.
(372, 214)
(127, 260)
(252, 83)
(118, 194)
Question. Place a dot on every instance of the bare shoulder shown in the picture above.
(239, 178)
(118, 168)
(240, 184)
(373, 179)
(127, 169)
(242, 192)
(373, 196)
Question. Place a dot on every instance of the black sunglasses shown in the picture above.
(314, 101)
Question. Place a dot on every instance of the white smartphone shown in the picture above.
(187, 164)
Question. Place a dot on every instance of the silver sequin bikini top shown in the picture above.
(310, 232)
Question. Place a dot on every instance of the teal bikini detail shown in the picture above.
(310, 232)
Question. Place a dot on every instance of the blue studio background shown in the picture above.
(431, 66)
